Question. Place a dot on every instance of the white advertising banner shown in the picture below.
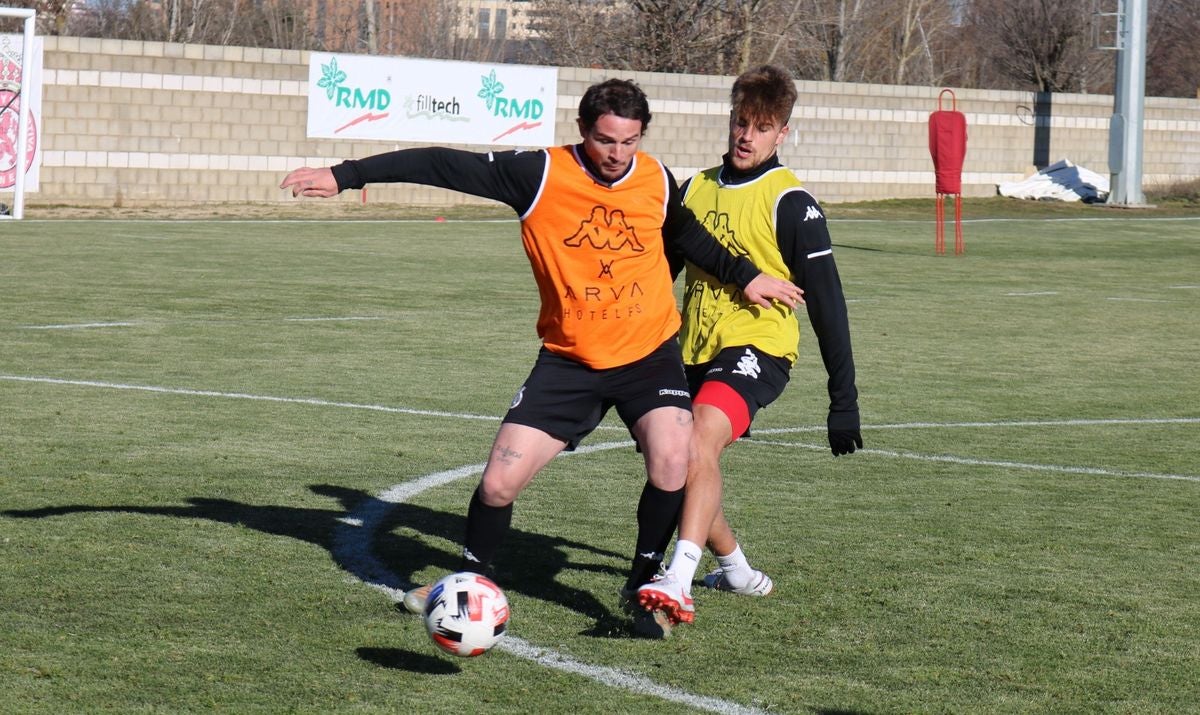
(430, 101)
(15, 89)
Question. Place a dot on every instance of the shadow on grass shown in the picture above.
(386, 544)
(399, 659)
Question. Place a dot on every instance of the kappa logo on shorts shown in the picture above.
(748, 366)
(676, 393)
(517, 398)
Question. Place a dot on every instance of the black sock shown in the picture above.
(486, 527)
(658, 517)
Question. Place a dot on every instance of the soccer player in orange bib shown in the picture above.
(597, 219)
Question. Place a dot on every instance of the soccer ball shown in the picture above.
(466, 614)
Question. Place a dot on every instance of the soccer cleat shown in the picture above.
(415, 598)
(760, 583)
(665, 593)
(651, 624)
(647, 624)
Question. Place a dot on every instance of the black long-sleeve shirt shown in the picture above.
(803, 238)
(514, 178)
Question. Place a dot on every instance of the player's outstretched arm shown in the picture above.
(765, 288)
(307, 181)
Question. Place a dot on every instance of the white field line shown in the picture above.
(620, 679)
(310, 401)
(352, 542)
(132, 323)
(77, 326)
(1140, 300)
(353, 537)
(243, 396)
(966, 461)
(179, 221)
(1032, 219)
(323, 320)
(1001, 423)
(1067, 469)
(316, 402)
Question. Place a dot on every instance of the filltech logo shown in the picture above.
(343, 96)
(528, 111)
(10, 107)
(430, 107)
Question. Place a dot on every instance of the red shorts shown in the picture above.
(739, 381)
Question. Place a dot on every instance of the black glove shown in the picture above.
(844, 432)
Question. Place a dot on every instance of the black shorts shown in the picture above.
(566, 399)
(757, 377)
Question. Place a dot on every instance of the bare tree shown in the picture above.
(1173, 53)
(829, 32)
(278, 23)
(577, 33)
(1045, 45)
(913, 32)
(53, 16)
(699, 36)
(1042, 45)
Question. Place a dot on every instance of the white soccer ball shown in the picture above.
(466, 614)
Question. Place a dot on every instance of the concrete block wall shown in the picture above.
(127, 122)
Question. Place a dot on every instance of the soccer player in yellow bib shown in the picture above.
(738, 356)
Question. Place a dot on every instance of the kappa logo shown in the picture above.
(718, 225)
(606, 230)
(813, 213)
(748, 366)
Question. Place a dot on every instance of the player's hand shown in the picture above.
(844, 441)
(307, 181)
(764, 288)
(845, 432)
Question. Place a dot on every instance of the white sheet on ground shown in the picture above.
(1063, 181)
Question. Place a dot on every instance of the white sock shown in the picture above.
(685, 562)
(736, 568)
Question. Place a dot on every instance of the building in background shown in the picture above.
(496, 19)
(419, 27)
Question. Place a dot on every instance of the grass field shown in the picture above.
(227, 446)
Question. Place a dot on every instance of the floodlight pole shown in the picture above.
(1129, 100)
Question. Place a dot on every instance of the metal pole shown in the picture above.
(1129, 99)
(26, 99)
